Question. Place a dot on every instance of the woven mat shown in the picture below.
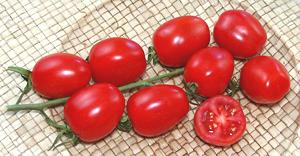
(32, 29)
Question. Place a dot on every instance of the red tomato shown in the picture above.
(220, 121)
(157, 109)
(60, 75)
(264, 80)
(94, 112)
(117, 60)
(176, 40)
(240, 33)
(211, 69)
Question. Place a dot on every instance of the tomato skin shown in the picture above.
(211, 69)
(60, 75)
(94, 112)
(118, 61)
(157, 109)
(176, 40)
(220, 121)
(264, 80)
(240, 33)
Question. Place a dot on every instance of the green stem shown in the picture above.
(37, 106)
(62, 101)
(150, 80)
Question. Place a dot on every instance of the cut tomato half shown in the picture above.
(220, 121)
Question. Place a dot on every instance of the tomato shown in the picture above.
(211, 70)
(176, 40)
(60, 75)
(264, 80)
(220, 121)
(157, 109)
(240, 33)
(117, 60)
(94, 112)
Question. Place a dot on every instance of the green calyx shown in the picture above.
(191, 91)
(152, 57)
(233, 87)
(124, 124)
(195, 98)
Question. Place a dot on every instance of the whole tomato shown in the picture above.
(176, 40)
(117, 61)
(94, 112)
(220, 121)
(157, 109)
(264, 80)
(211, 70)
(240, 33)
(60, 75)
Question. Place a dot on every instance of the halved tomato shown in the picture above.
(220, 121)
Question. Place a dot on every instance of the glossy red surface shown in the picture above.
(60, 75)
(178, 39)
(117, 61)
(240, 33)
(155, 110)
(94, 112)
(211, 69)
(264, 80)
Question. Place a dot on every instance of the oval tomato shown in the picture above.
(60, 75)
(240, 33)
(176, 40)
(211, 69)
(220, 121)
(264, 80)
(94, 112)
(157, 109)
(117, 61)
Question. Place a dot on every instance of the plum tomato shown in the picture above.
(118, 61)
(211, 70)
(220, 121)
(94, 111)
(60, 75)
(264, 80)
(176, 40)
(157, 109)
(240, 33)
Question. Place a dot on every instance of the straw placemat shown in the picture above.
(32, 29)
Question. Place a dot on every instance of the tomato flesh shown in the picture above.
(220, 121)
